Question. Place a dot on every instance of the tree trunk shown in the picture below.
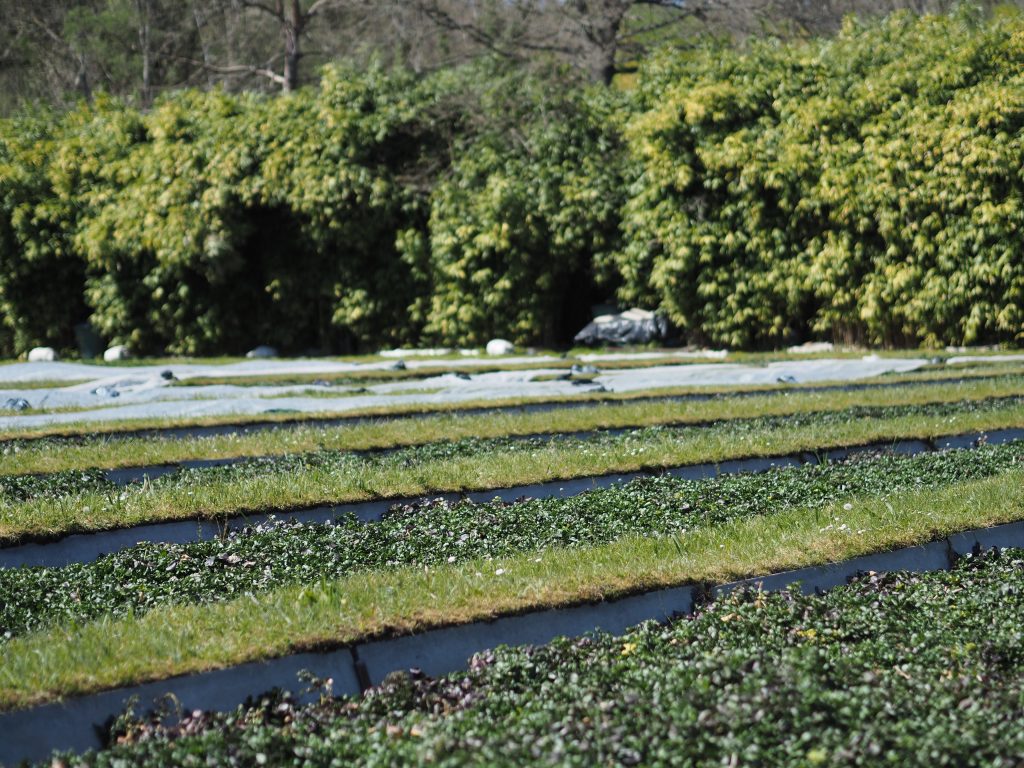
(146, 94)
(601, 28)
(82, 80)
(604, 69)
(292, 28)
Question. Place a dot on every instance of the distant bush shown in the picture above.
(530, 204)
(864, 188)
(241, 219)
(42, 276)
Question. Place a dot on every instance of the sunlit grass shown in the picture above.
(42, 457)
(76, 659)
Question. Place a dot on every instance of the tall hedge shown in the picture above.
(528, 208)
(42, 276)
(240, 219)
(866, 188)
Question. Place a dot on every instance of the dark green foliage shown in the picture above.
(862, 188)
(436, 533)
(531, 204)
(900, 669)
(23, 487)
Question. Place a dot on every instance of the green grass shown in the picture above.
(32, 457)
(908, 669)
(77, 659)
(243, 489)
(270, 556)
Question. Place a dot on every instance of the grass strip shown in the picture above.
(62, 455)
(903, 669)
(130, 426)
(299, 482)
(268, 557)
(79, 658)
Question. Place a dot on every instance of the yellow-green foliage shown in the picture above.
(867, 187)
(863, 188)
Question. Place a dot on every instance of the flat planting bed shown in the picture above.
(517, 526)
(163, 453)
(261, 559)
(905, 669)
(32, 509)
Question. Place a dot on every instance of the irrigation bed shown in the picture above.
(81, 548)
(78, 724)
(385, 596)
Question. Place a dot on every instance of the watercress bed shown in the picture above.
(75, 658)
(435, 533)
(103, 451)
(900, 669)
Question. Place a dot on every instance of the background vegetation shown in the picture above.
(864, 186)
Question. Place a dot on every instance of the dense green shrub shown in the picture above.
(862, 188)
(41, 275)
(531, 202)
(242, 219)
(866, 187)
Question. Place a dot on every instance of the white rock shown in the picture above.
(119, 352)
(262, 352)
(42, 355)
(500, 347)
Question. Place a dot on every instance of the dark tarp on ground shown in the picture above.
(634, 326)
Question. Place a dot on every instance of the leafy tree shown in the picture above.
(531, 203)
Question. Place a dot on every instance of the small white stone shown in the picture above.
(42, 355)
(500, 347)
(811, 347)
(119, 352)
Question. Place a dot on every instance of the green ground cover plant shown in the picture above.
(76, 658)
(905, 669)
(90, 451)
(436, 533)
(273, 484)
